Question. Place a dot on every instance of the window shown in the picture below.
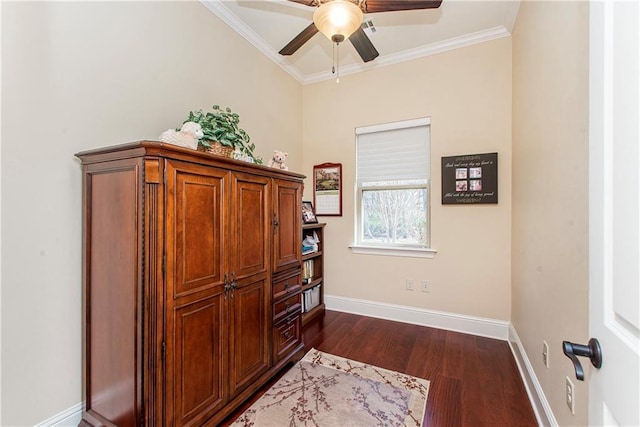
(392, 194)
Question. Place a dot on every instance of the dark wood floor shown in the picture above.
(474, 381)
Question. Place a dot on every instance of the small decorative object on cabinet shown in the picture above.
(187, 136)
(277, 161)
(191, 283)
(313, 272)
(223, 135)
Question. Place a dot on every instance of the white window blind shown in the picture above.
(400, 154)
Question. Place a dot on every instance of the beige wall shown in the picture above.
(467, 95)
(550, 193)
(82, 75)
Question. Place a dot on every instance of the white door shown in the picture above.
(614, 211)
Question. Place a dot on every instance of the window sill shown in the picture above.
(391, 251)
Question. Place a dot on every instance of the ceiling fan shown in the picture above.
(342, 19)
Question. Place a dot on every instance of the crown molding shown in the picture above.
(229, 18)
(222, 12)
(411, 54)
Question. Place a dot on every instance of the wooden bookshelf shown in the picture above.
(317, 278)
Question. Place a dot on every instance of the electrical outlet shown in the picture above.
(571, 397)
(425, 286)
(409, 283)
(545, 353)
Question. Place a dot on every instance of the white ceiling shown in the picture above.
(400, 36)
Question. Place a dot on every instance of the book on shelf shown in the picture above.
(307, 271)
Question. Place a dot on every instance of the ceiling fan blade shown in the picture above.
(299, 40)
(372, 6)
(363, 45)
(305, 2)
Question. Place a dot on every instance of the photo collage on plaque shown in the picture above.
(469, 179)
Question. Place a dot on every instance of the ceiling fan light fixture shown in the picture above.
(338, 19)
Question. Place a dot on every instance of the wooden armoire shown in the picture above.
(191, 280)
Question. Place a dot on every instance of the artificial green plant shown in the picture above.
(222, 125)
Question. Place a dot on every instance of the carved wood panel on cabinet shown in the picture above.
(195, 308)
(249, 266)
(111, 238)
(287, 211)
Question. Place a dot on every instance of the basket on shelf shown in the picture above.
(217, 149)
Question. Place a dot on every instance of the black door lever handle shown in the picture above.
(592, 351)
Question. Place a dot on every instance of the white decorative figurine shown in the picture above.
(187, 136)
(278, 160)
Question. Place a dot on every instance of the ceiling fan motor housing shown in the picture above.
(338, 19)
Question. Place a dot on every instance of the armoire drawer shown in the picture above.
(287, 286)
(287, 306)
(287, 335)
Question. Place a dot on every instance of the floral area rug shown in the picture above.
(325, 390)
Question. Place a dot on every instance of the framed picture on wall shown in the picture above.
(327, 189)
(308, 214)
(470, 179)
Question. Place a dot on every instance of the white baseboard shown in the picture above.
(485, 327)
(538, 400)
(68, 418)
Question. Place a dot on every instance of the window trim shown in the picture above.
(393, 251)
(423, 121)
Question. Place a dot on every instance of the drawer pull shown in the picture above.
(286, 306)
(287, 334)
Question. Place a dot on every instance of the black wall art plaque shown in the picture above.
(470, 179)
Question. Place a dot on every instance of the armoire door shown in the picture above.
(250, 234)
(287, 218)
(196, 310)
(249, 266)
(249, 353)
